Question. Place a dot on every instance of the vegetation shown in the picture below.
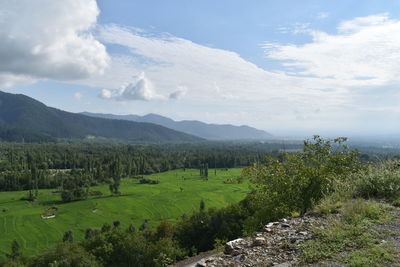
(192, 210)
(23, 113)
(350, 230)
(41, 166)
(22, 220)
(296, 182)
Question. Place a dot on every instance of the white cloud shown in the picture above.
(365, 52)
(327, 74)
(140, 89)
(178, 94)
(170, 61)
(47, 39)
(216, 78)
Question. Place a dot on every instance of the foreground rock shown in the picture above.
(277, 245)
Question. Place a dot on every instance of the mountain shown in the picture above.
(197, 128)
(23, 115)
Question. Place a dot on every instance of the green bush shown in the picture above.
(299, 181)
(378, 181)
(66, 254)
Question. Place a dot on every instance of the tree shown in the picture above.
(202, 206)
(105, 228)
(145, 225)
(15, 249)
(90, 232)
(165, 230)
(115, 171)
(131, 228)
(68, 236)
(67, 254)
(116, 224)
(74, 187)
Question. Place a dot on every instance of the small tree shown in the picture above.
(90, 232)
(68, 236)
(131, 228)
(116, 224)
(145, 225)
(105, 228)
(202, 206)
(15, 249)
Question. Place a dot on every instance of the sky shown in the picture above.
(288, 67)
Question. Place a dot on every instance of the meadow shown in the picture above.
(179, 192)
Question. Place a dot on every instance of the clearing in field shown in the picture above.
(179, 192)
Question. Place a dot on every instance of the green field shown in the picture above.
(179, 192)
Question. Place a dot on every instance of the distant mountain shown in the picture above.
(197, 128)
(22, 116)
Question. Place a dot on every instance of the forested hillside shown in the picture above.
(197, 128)
(26, 113)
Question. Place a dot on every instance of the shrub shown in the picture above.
(299, 181)
(67, 254)
(95, 193)
(148, 181)
(378, 181)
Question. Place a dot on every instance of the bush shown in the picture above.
(378, 181)
(148, 181)
(95, 193)
(67, 254)
(297, 182)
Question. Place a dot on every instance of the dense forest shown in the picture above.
(28, 166)
(39, 166)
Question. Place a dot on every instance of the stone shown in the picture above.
(269, 225)
(258, 241)
(200, 264)
(233, 245)
(285, 225)
(239, 258)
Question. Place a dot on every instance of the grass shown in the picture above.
(179, 192)
(350, 236)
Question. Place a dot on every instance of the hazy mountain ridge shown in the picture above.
(197, 128)
(31, 116)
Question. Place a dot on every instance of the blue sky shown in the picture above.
(288, 67)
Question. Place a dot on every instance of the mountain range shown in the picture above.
(196, 128)
(25, 119)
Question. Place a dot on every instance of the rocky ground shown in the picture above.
(277, 245)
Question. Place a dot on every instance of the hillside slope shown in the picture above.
(197, 128)
(24, 112)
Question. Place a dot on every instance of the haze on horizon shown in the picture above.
(289, 68)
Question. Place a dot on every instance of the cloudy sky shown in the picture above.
(288, 67)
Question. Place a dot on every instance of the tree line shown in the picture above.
(39, 166)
